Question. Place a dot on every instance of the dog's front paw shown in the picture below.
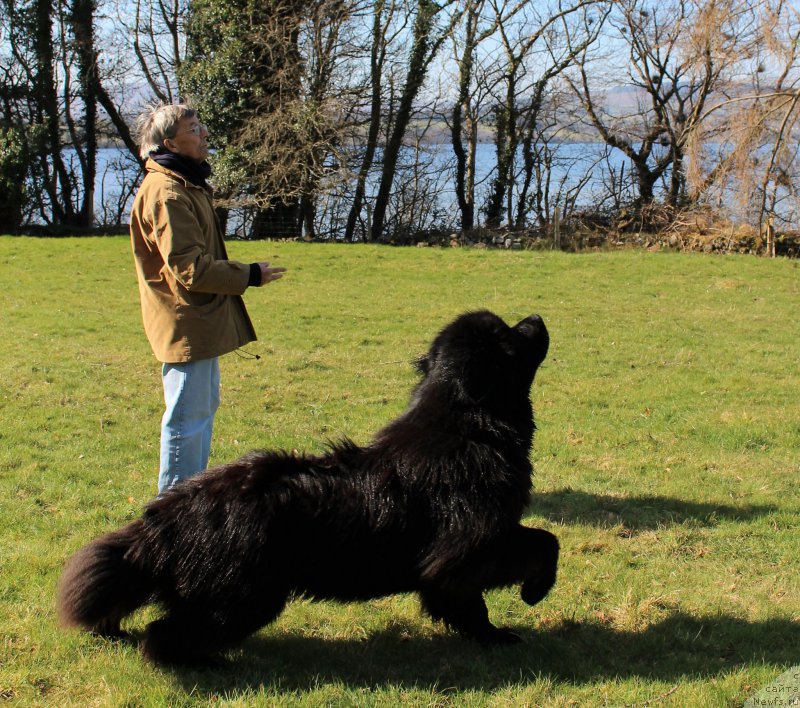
(534, 590)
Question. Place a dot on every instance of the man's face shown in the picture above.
(191, 140)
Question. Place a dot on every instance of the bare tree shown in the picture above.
(750, 144)
(678, 52)
(385, 31)
(477, 26)
(294, 133)
(416, 207)
(15, 135)
(55, 96)
(81, 17)
(426, 40)
(530, 62)
(156, 31)
(145, 51)
(551, 174)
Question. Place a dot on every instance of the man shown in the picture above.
(190, 291)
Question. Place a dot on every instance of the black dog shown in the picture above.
(431, 506)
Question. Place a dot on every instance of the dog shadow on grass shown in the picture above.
(680, 648)
(636, 513)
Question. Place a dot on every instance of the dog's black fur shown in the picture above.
(431, 506)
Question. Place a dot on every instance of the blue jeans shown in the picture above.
(191, 395)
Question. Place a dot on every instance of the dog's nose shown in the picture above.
(531, 325)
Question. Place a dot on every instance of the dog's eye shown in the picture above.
(504, 335)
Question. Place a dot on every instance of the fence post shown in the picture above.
(557, 228)
(769, 230)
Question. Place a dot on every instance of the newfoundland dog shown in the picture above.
(432, 505)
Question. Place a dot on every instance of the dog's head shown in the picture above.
(481, 359)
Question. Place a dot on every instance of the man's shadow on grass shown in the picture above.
(679, 648)
(636, 513)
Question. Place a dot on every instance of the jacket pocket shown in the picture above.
(201, 305)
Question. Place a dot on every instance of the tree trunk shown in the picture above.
(464, 195)
(417, 67)
(494, 207)
(82, 21)
(376, 66)
(56, 180)
(646, 180)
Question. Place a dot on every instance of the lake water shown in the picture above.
(581, 172)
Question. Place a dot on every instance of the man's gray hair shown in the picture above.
(158, 122)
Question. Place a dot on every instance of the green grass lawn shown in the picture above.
(666, 462)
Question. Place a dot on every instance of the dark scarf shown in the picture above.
(194, 172)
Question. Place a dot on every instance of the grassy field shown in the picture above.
(666, 462)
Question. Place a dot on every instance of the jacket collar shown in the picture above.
(195, 172)
(152, 166)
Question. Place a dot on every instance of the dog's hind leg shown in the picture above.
(465, 611)
(192, 637)
(179, 640)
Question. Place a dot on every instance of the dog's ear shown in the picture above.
(423, 365)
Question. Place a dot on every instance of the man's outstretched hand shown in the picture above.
(270, 273)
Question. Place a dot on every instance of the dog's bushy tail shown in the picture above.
(99, 586)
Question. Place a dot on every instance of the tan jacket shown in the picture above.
(190, 292)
